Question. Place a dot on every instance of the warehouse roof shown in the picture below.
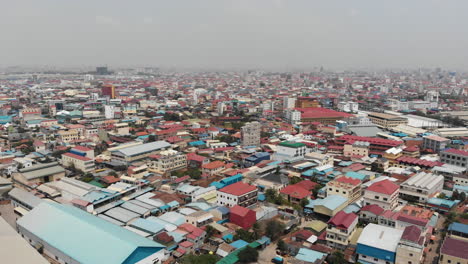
(15, 249)
(423, 180)
(41, 170)
(381, 237)
(25, 197)
(56, 224)
(144, 148)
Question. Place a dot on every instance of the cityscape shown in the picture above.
(239, 149)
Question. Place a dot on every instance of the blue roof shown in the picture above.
(239, 243)
(442, 202)
(352, 208)
(173, 217)
(356, 175)
(79, 234)
(458, 227)
(331, 202)
(147, 226)
(376, 252)
(461, 188)
(223, 209)
(261, 197)
(228, 237)
(309, 255)
(197, 143)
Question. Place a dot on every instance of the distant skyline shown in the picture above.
(236, 34)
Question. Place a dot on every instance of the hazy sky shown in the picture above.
(235, 34)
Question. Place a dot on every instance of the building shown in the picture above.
(421, 187)
(382, 193)
(213, 168)
(346, 187)
(167, 161)
(322, 115)
(453, 251)
(78, 162)
(319, 158)
(292, 116)
(340, 229)
(289, 102)
(199, 218)
(23, 199)
(50, 226)
(377, 146)
(307, 102)
(387, 120)
(435, 143)
(455, 157)
(15, 249)
(239, 193)
(108, 90)
(289, 150)
(250, 134)
(294, 193)
(411, 246)
(68, 135)
(242, 216)
(378, 244)
(356, 149)
(348, 107)
(131, 154)
(109, 111)
(38, 174)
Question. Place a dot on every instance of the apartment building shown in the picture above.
(435, 143)
(68, 135)
(346, 187)
(340, 229)
(79, 162)
(250, 134)
(382, 193)
(357, 148)
(239, 193)
(455, 157)
(167, 161)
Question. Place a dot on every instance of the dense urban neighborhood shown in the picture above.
(148, 166)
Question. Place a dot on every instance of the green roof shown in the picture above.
(233, 258)
(291, 144)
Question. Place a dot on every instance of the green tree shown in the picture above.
(245, 235)
(248, 255)
(210, 231)
(282, 246)
(337, 257)
(151, 138)
(274, 229)
(201, 259)
(304, 202)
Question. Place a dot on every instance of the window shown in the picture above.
(410, 254)
(376, 259)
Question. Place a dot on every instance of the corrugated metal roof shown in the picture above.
(144, 148)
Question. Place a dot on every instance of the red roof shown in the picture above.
(81, 148)
(319, 112)
(371, 140)
(373, 208)
(411, 233)
(418, 162)
(195, 157)
(457, 152)
(385, 187)
(343, 220)
(239, 210)
(78, 157)
(238, 188)
(455, 247)
(307, 184)
(213, 165)
(186, 244)
(348, 180)
(295, 191)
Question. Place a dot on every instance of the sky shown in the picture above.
(235, 34)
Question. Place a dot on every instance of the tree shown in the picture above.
(337, 257)
(274, 229)
(316, 190)
(441, 196)
(248, 255)
(151, 138)
(209, 231)
(304, 202)
(201, 259)
(245, 235)
(282, 246)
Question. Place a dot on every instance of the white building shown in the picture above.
(378, 244)
(168, 160)
(290, 150)
(292, 116)
(421, 187)
(109, 111)
(288, 102)
(250, 134)
(239, 193)
(382, 193)
(348, 107)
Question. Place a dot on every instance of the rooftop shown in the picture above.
(385, 187)
(381, 237)
(238, 188)
(455, 247)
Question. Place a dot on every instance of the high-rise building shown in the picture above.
(102, 71)
(250, 134)
(289, 102)
(108, 90)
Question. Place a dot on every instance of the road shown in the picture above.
(267, 254)
(432, 256)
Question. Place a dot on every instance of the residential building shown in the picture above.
(421, 187)
(340, 229)
(356, 149)
(410, 249)
(167, 161)
(68, 135)
(289, 102)
(455, 157)
(435, 143)
(378, 244)
(242, 216)
(250, 134)
(139, 171)
(387, 120)
(377, 146)
(213, 167)
(289, 150)
(199, 218)
(294, 193)
(319, 158)
(292, 116)
(382, 193)
(348, 107)
(238, 193)
(78, 162)
(346, 187)
(453, 251)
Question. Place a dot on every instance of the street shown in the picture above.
(432, 256)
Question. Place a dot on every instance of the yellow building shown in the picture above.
(38, 174)
(69, 135)
(346, 187)
(387, 120)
